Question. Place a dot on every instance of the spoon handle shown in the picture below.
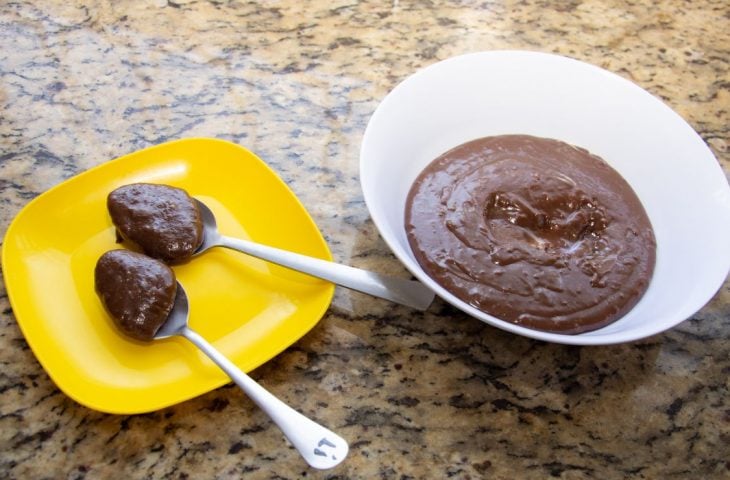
(405, 292)
(320, 447)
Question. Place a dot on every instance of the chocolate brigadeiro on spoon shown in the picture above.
(163, 221)
(136, 290)
(146, 303)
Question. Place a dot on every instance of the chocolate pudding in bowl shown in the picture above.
(533, 231)
(680, 184)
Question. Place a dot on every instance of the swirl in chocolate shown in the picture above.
(533, 231)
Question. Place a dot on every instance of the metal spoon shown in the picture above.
(319, 447)
(405, 292)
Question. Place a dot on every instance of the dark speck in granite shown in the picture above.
(417, 395)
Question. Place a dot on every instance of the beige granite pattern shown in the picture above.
(418, 395)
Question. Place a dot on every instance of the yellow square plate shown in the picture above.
(248, 309)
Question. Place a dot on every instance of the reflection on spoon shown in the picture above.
(320, 447)
(405, 292)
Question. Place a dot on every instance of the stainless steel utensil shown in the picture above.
(405, 292)
(320, 447)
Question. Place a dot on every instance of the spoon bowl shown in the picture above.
(405, 292)
(320, 447)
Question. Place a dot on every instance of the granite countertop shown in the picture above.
(418, 395)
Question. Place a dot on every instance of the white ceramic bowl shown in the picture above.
(679, 181)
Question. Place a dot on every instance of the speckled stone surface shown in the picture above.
(418, 395)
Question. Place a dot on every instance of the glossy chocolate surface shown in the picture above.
(163, 221)
(534, 231)
(136, 290)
